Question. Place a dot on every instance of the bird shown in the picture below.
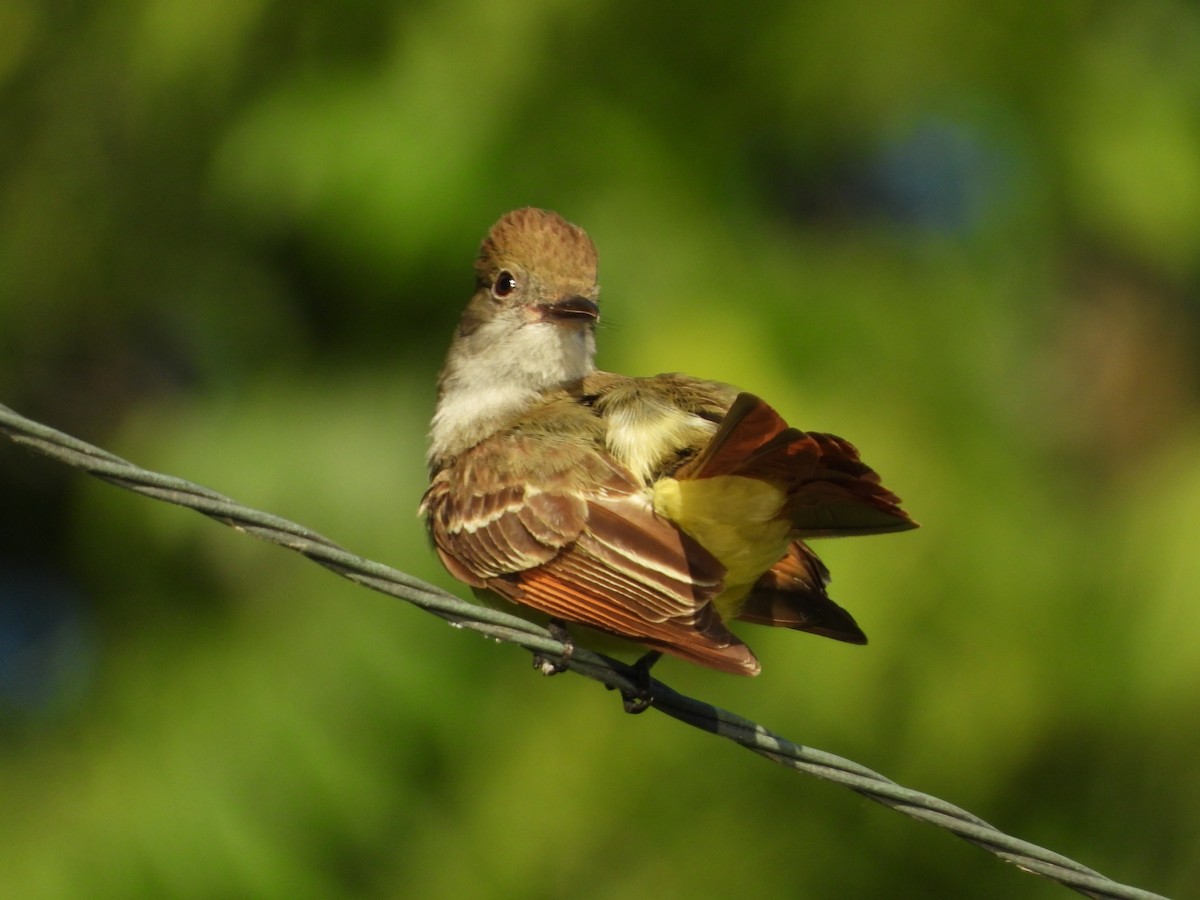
(658, 509)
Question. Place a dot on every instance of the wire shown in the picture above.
(612, 673)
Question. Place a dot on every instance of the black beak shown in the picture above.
(571, 308)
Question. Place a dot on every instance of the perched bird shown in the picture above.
(658, 509)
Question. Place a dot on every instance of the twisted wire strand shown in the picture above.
(503, 626)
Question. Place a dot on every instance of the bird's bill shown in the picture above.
(569, 309)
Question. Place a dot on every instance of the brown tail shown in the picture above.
(792, 595)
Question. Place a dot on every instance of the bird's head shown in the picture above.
(535, 290)
(529, 328)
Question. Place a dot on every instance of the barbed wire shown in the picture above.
(502, 626)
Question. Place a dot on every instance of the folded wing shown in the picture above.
(584, 546)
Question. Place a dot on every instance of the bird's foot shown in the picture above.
(545, 664)
(640, 699)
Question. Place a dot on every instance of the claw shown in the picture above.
(545, 664)
(640, 700)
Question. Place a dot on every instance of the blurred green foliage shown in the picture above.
(234, 239)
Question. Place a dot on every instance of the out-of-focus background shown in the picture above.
(234, 240)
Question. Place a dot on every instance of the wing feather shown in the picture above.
(584, 546)
(829, 490)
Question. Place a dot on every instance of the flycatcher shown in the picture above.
(657, 509)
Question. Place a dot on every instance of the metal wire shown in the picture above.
(612, 673)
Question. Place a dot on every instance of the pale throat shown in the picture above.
(490, 383)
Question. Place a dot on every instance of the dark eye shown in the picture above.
(504, 285)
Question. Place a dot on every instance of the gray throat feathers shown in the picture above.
(490, 379)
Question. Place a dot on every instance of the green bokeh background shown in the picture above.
(234, 239)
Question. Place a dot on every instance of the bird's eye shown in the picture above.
(504, 285)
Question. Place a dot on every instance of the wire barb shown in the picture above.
(612, 673)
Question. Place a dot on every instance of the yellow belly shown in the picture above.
(735, 519)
